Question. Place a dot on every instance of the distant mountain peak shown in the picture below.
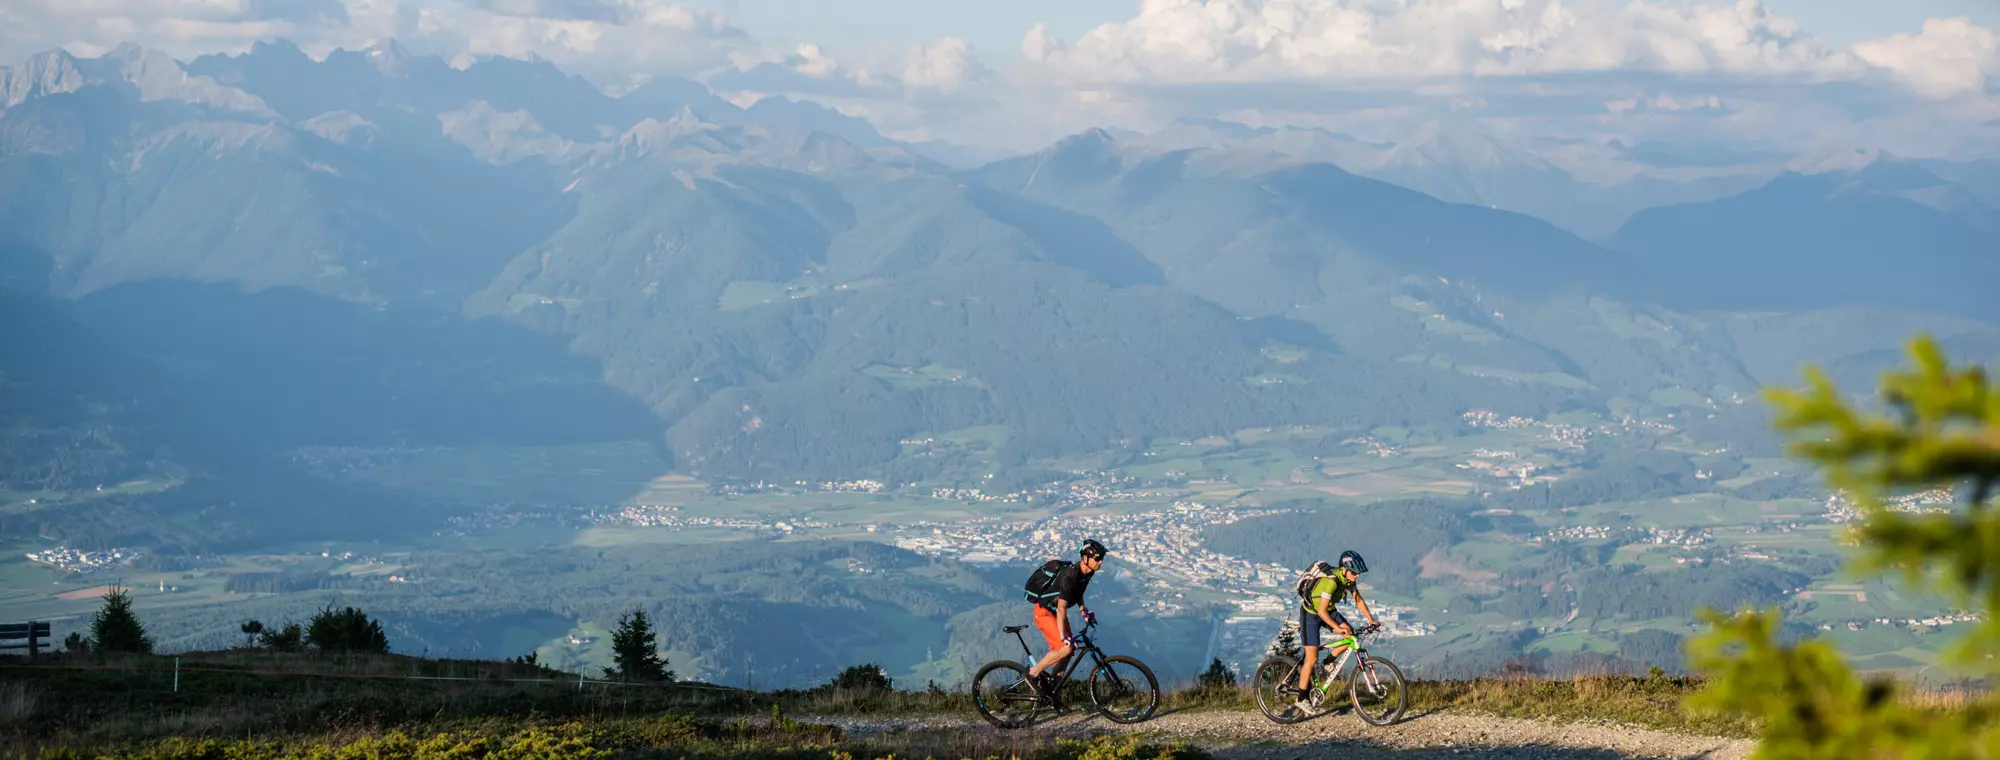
(1093, 135)
(651, 135)
(50, 72)
(389, 58)
(501, 137)
(158, 76)
(153, 74)
(277, 47)
(343, 127)
(1441, 143)
(1225, 128)
(1091, 144)
(132, 51)
(1828, 160)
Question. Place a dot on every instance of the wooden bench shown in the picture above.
(34, 637)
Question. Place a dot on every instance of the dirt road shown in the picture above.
(1248, 736)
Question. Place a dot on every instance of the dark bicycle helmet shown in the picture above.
(1091, 548)
(1351, 561)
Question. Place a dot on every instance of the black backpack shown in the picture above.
(1041, 587)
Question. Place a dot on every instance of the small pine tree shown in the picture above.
(251, 631)
(867, 678)
(116, 628)
(1218, 676)
(1287, 643)
(289, 638)
(346, 630)
(76, 644)
(636, 652)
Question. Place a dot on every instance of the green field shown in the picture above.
(1287, 466)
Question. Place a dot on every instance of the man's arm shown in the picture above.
(1062, 618)
(1325, 606)
(1363, 604)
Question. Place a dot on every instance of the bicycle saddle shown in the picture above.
(1013, 628)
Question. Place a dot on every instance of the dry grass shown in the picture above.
(1944, 700)
(17, 703)
(100, 708)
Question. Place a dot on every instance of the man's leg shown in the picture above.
(1045, 621)
(1306, 668)
(1309, 626)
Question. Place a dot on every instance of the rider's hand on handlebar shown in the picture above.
(1089, 617)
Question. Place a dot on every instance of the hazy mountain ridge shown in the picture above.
(1888, 233)
(1586, 187)
(113, 456)
(742, 276)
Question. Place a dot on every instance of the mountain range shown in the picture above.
(381, 247)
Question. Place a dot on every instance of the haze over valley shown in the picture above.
(500, 329)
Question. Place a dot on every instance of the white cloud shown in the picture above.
(1949, 57)
(592, 37)
(583, 10)
(600, 38)
(807, 70)
(182, 27)
(1182, 41)
(945, 65)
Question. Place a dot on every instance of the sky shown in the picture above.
(1917, 77)
(879, 27)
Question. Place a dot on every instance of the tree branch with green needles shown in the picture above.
(1938, 428)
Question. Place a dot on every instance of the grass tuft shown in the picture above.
(17, 703)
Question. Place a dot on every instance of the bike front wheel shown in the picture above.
(1003, 695)
(1124, 689)
(1275, 676)
(1377, 690)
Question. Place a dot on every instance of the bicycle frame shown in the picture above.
(1080, 645)
(1332, 672)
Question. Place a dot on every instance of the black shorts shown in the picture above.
(1310, 625)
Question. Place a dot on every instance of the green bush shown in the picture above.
(346, 631)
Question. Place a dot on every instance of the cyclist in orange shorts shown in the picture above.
(1054, 589)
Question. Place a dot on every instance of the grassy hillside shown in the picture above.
(266, 705)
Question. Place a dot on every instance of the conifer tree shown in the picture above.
(1218, 676)
(116, 628)
(635, 651)
(1939, 428)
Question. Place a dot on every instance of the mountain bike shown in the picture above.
(1008, 698)
(1372, 678)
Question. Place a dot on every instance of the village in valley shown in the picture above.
(83, 562)
(1159, 508)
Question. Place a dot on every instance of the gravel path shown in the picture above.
(1249, 736)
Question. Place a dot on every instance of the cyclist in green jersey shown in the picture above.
(1317, 612)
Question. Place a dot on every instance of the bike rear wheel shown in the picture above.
(1002, 693)
(1124, 689)
(1376, 689)
(1275, 675)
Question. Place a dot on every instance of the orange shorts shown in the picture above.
(1045, 621)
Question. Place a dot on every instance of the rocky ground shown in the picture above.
(1235, 735)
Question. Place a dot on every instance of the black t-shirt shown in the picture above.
(1070, 584)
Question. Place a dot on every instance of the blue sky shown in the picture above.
(995, 28)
